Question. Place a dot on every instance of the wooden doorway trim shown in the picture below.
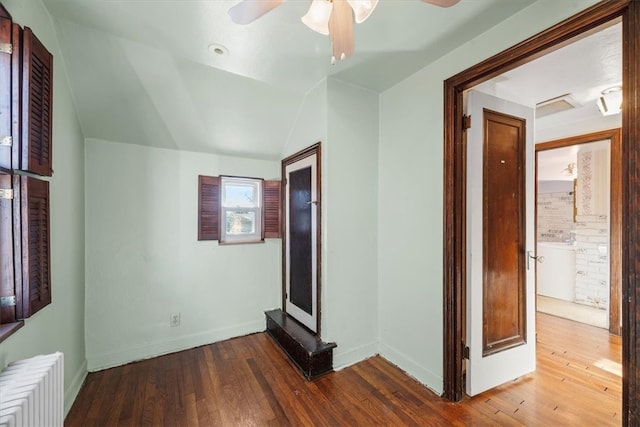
(307, 152)
(454, 186)
(615, 213)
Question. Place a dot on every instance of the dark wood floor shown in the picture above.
(248, 381)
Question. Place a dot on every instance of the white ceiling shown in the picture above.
(141, 71)
(582, 69)
(553, 165)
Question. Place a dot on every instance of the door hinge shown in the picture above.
(465, 351)
(9, 301)
(6, 141)
(466, 122)
(6, 48)
(6, 193)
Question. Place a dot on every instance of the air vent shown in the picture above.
(555, 105)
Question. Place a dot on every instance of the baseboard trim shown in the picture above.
(347, 358)
(159, 348)
(429, 379)
(73, 389)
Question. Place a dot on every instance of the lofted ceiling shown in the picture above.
(142, 71)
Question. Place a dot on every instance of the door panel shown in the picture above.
(301, 249)
(299, 193)
(500, 329)
(504, 286)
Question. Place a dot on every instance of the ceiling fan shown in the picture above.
(334, 18)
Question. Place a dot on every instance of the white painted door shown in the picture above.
(498, 354)
(301, 216)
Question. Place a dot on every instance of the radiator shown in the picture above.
(32, 392)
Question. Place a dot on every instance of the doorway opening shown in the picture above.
(455, 249)
(301, 243)
(579, 228)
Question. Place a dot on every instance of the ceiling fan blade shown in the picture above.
(442, 3)
(248, 11)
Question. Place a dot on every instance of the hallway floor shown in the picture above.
(248, 381)
(572, 311)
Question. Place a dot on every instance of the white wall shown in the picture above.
(144, 261)
(310, 125)
(344, 119)
(411, 192)
(350, 219)
(59, 326)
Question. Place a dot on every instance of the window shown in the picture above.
(238, 209)
(25, 147)
(241, 210)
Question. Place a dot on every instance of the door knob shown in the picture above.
(538, 258)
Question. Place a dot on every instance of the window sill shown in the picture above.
(8, 329)
(239, 242)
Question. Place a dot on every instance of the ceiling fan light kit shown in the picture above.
(317, 18)
(362, 9)
(333, 18)
(341, 31)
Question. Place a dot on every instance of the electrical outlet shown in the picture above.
(174, 320)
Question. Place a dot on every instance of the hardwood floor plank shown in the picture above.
(248, 381)
(274, 404)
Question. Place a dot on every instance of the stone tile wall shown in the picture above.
(555, 216)
(592, 260)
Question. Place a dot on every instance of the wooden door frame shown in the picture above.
(303, 154)
(615, 211)
(454, 186)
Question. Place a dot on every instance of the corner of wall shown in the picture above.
(72, 390)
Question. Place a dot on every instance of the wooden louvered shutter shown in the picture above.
(272, 225)
(37, 97)
(208, 207)
(5, 90)
(16, 97)
(36, 255)
(7, 280)
(9, 101)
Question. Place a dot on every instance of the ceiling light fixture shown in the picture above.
(218, 49)
(333, 18)
(610, 102)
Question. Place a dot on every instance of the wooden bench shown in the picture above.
(309, 353)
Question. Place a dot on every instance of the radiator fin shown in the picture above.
(32, 392)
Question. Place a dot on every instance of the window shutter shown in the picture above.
(36, 260)
(7, 281)
(272, 209)
(37, 97)
(5, 91)
(16, 98)
(208, 207)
